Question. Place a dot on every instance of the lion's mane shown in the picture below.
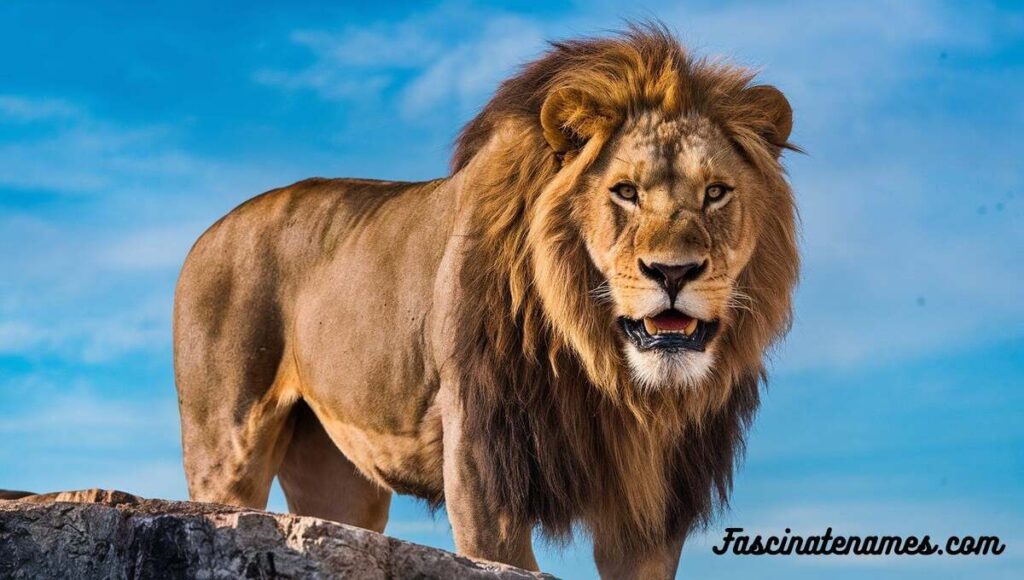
(557, 428)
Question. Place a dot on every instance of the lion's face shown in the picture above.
(669, 215)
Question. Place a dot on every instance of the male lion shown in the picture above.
(568, 330)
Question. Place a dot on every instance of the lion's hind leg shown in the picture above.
(237, 382)
(233, 447)
(318, 480)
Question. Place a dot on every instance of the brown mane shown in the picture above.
(559, 429)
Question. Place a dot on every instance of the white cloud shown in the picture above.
(402, 45)
(429, 58)
(468, 71)
(141, 199)
(78, 416)
(89, 339)
(19, 109)
(326, 81)
(92, 156)
(18, 336)
(155, 248)
(357, 62)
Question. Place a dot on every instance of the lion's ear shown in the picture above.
(570, 118)
(775, 111)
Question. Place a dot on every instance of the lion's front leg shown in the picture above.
(481, 531)
(660, 562)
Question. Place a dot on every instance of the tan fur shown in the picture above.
(457, 339)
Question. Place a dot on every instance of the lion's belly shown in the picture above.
(376, 400)
(406, 463)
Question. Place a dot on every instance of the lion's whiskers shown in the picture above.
(602, 292)
(739, 300)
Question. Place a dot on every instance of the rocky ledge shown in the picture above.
(111, 534)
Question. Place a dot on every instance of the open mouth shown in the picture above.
(670, 330)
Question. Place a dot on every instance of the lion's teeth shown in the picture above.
(691, 327)
(650, 327)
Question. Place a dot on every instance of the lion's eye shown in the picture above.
(626, 191)
(715, 192)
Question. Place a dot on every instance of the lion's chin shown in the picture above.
(655, 370)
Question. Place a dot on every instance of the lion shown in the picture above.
(567, 333)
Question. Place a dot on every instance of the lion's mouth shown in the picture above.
(670, 330)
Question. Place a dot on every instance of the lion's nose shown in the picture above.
(673, 277)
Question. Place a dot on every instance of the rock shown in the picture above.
(111, 534)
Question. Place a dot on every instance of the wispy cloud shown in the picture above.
(79, 153)
(142, 198)
(19, 109)
(80, 417)
(90, 338)
(447, 57)
(357, 62)
(470, 70)
(160, 248)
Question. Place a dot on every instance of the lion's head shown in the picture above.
(660, 231)
(670, 213)
(632, 233)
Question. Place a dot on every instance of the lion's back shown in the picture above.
(240, 282)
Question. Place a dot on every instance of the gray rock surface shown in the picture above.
(112, 534)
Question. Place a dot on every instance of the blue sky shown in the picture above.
(896, 404)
